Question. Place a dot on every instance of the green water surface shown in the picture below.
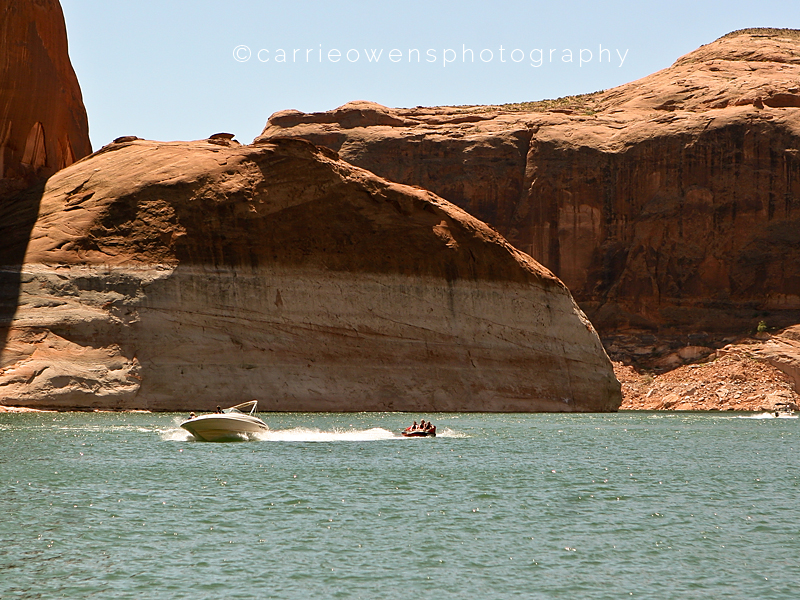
(339, 506)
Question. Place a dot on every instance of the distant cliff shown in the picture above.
(43, 124)
(174, 276)
(671, 201)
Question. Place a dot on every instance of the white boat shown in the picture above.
(237, 423)
(784, 410)
(781, 411)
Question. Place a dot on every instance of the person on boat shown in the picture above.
(219, 410)
(422, 425)
(413, 427)
(192, 416)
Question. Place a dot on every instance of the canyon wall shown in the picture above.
(183, 275)
(43, 124)
(669, 202)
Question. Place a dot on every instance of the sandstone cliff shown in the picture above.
(173, 276)
(672, 201)
(43, 125)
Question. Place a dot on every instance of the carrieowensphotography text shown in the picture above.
(442, 56)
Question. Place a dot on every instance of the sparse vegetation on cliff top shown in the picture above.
(771, 32)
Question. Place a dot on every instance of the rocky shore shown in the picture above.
(751, 374)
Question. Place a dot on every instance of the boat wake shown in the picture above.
(176, 435)
(298, 434)
(311, 434)
(449, 433)
(768, 416)
(305, 434)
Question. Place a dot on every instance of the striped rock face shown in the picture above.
(175, 276)
(667, 202)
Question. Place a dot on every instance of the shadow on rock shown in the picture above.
(17, 217)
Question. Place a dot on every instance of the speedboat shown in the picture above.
(784, 410)
(415, 431)
(418, 433)
(237, 423)
(781, 410)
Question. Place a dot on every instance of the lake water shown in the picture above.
(646, 505)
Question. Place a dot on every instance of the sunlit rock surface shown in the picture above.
(176, 276)
(671, 201)
(43, 124)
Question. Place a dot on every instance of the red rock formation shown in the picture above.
(760, 373)
(737, 381)
(782, 351)
(43, 125)
(189, 274)
(669, 201)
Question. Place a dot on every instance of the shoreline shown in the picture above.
(631, 409)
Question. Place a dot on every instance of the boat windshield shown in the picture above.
(244, 408)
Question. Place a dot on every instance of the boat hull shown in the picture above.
(419, 434)
(783, 415)
(225, 427)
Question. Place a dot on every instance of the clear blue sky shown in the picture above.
(166, 70)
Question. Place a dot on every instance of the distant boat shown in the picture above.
(415, 431)
(781, 411)
(419, 433)
(237, 423)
